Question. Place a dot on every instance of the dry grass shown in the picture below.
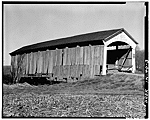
(33, 105)
(105, 96)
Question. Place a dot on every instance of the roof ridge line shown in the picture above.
(114, 34)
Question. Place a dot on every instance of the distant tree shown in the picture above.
(139, 59)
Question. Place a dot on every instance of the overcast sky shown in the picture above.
(28, 24)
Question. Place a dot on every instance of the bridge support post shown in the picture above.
(104, 60)
(133, 60)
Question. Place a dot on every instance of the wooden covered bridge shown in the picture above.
(81, 56)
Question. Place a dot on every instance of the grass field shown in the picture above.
(114, 95)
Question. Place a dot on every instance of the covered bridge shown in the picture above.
(75, 57)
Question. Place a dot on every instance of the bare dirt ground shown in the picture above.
(114, 95)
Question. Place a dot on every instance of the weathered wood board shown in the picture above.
(23, 65)
(69, 63)
(40, 62)
(91, 61)
(29, 62)
(81, 55)
(50, 61)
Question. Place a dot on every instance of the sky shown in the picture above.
(26, 24)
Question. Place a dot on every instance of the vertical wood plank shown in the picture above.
(84, 55)
(77, 55)
(92, 61)
(74, 56)
(64, 72)
(57, 71)
(28, 60)
(79, 70)
(97, 54)
(64, 56)
(18, 64)
(30, 69)
(30, 63)
(67, 61)
(61, 71)
(19, 67)
(81, 55)
(57, 57)
(101, 51)
(75, 70)
(97, 67)
(38, 62)
(47, 60)
(54, 61)
(86, 61)
(60, 56)
(59, 75)
(54, 71)
(27, 63)
(100, 59)
(88, 55)
(24, 64)
(68, 57)
(83, 71)
(86, 52)
(33, 63)
(87, 71)
(54, 57)
(36, 59)
(44, 62)
(102, 54)
(13, 63)
(71, 71)
(13, 66)
(68, 71)
(76, 49)
(50, 61)
(71, 56)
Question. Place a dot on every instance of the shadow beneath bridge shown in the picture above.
(39, 81)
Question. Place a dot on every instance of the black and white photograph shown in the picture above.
(74, 59)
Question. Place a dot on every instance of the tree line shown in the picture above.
(139, 59)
